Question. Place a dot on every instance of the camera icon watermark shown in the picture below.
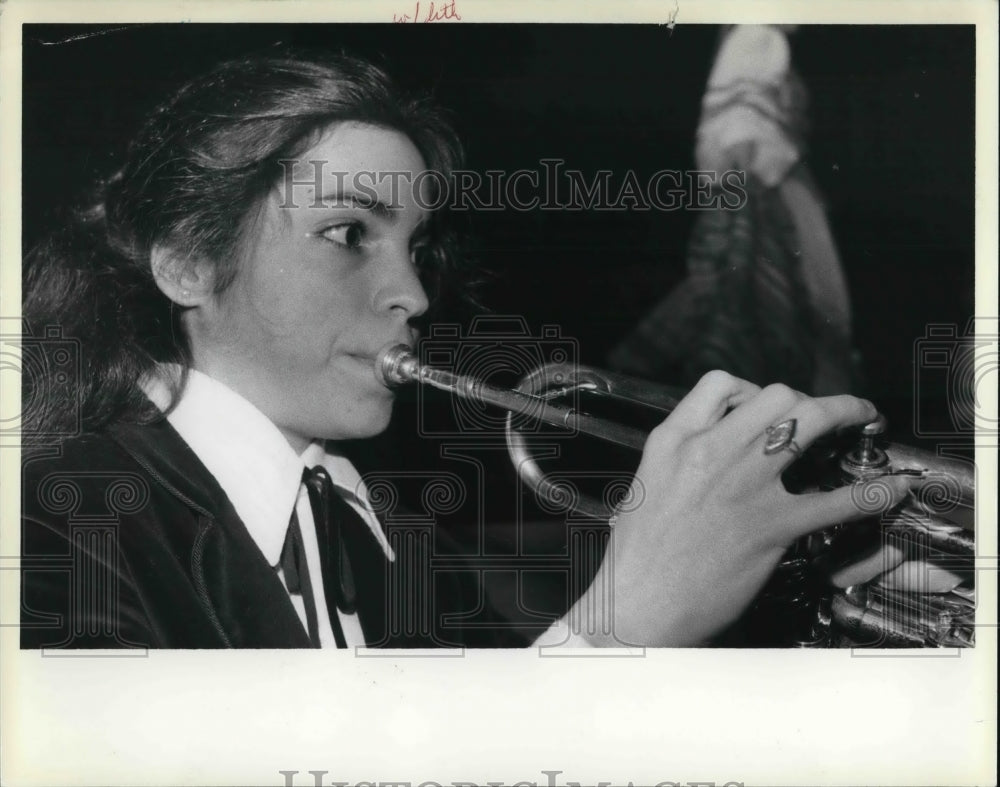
(47, 365)
(497, 351)
(963, 367)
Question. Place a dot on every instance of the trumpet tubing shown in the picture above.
(397, 365)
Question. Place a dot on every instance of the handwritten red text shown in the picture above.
(431, 13)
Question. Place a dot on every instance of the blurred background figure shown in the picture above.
(765, 297)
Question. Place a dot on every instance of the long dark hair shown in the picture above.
(193, 175)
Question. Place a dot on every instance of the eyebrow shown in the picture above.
(375, 206)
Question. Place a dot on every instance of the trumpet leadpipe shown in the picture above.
(397, 365)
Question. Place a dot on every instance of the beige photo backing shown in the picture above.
(750, 717)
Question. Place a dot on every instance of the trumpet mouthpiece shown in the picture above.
(395, 364)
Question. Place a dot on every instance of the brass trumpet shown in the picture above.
(936, 525)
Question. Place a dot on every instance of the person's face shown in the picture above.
(320, 290)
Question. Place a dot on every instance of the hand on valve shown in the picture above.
(710, 518)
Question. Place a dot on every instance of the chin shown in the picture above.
(368, 421)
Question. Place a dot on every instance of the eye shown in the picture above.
(421, 247)
(349, 234)
(419, 253)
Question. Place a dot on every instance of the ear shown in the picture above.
(186, 280)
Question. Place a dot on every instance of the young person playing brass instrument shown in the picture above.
(228, 336)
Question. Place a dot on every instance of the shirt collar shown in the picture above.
(253, 462)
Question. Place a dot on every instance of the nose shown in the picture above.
(400, 291)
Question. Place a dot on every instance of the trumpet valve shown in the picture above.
(867, 458)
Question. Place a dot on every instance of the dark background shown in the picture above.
(891, 145)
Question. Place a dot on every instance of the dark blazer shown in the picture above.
(128, 541)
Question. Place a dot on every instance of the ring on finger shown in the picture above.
(794, 448)
(780, 437)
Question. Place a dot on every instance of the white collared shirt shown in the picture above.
(262, 476)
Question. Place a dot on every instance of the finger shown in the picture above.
(808, 418)
(866, 567)
(816, 417)
(921, 576)
(817, 510)
(747, 423)
(710, 399)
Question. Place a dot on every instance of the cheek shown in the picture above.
(254, 314)
(286, 305)
(280, 286)
(332, 310)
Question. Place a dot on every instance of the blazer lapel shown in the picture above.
(243, 592)
(401, 604)
(239, 591)
(370, 567)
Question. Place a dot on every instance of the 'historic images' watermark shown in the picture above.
(551, 187)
